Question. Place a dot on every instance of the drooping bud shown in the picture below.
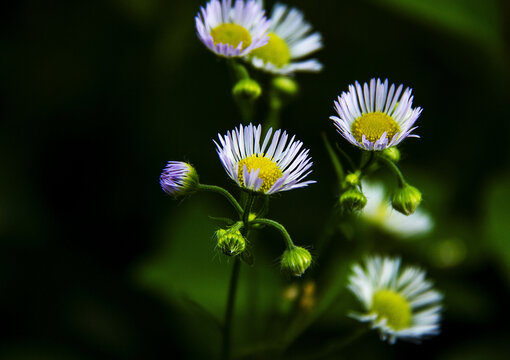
(247, 89)
(230, 241)
(179, 178)
(353, 200)
(286, 85)
(295, 261)
(406, 199)
(392, 154)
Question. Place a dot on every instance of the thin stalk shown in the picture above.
(232, 289)
(246, 107)
(247, 209)
(277, 226)
(366, 159)
(225, 193)
(394, 168)
(238, 70)
(337, 165)
(229, 314)
(275, 107)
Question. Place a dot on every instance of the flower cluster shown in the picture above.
(375, 117)
(276, 45)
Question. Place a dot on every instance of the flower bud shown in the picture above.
(247, 89)
(295, 261)
(352, 179)
(406, 199)
(353, 200)
(230, 241)
(392, 154)
(286, 85)
(179, 178)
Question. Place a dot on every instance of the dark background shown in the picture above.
(97, 262)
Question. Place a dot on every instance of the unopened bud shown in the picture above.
(247, 89)
(406, 199)
(179, 178)
(286, 85)
(352, 179)
(295, 261)
(230, 241)
(353, 200)
(392, 154)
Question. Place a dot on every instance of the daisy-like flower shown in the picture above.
(232, 31)
(399, 303)
(379, 212)
(178, 178)
(289, 40)
(375, 116)
(268, 168)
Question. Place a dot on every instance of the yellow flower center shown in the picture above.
(393, 307)
(231, 34)
(275, 51)
(269, 171)
(373, 125)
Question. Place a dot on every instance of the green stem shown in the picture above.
(346, 156)
(275, 107)
(246, 107)
(239, 70)
(229, 314)
(394, 168)
(366, 159)
(225, 193)
(278, 226)
(247, 209)
(334, 159)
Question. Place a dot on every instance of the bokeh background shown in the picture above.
(97, 262)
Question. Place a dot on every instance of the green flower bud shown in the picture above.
(406, 199)
(392, 154)
(352, 179)
(295, 261)
(286, 85)
(230, 241)
(353, 200)
(247, 89)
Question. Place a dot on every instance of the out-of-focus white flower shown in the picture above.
(379, 212)
(399, 302)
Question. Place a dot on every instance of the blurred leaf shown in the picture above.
(480, 21)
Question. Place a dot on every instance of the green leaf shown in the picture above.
(479, 21)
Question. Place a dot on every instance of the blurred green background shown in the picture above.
(97, 262)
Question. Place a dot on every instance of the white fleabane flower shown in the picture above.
(268, 168)
(232, 31)
(399, 303)
(375, 116)
(379, 212)
(290, 39)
